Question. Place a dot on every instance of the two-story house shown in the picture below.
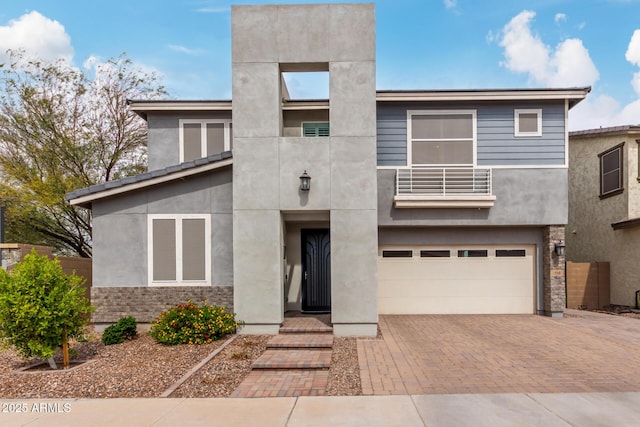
(447, 201)
(604, 205)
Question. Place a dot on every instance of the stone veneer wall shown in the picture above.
(554, 272)
(146, 303)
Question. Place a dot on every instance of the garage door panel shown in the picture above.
(457, 285)
(487, 305)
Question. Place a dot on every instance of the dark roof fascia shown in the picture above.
(627, 223)
(612, 130)
(86, 196)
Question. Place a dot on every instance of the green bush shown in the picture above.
(125, 328)
(41, 306)
(192, 324)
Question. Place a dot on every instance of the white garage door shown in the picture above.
(456, 280)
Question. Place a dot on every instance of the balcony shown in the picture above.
(428, 187)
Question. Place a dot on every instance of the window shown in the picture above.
(435, 254)
(397, 254)
(510, 253)
(611, 171)
(315, 129)
(442, 137)
(473, 253)
(202, 138)
(528, 122)
(179, 249)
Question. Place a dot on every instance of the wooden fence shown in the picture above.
(587, 285)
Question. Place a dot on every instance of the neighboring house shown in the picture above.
(448, 201)
(604, 205)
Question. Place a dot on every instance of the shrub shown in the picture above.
(125, 328)
(192, 324)
(41, 307)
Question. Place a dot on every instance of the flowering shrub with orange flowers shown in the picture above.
(192, 324)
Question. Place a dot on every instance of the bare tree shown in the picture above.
(61, 130)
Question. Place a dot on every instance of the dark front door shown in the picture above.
(316, 270)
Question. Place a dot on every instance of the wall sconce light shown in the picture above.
(305, 181)
(559, 249)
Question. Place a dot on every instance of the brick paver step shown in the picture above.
(304, 325)
(294, 359)
(301, 341)
(277, 383)
(309, 330)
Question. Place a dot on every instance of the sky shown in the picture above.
(421, 44)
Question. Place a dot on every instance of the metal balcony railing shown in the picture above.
(443, 182)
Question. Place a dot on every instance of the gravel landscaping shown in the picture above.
(144, 368)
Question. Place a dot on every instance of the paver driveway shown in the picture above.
(501, 354)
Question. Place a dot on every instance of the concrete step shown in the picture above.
(294, 359)
(292, 341)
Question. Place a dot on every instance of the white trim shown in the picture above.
(447, 202)
(483, 95)
(516, 122)
(566, 132)
(489, 167)
(207, 250)
(474, 136)
(83, 200)
(145, 106)
(203, 135)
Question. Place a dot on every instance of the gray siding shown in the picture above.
(524, 197)
(496, 144)
(120, 227)
(163, 149)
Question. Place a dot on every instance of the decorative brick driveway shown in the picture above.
(501, 354)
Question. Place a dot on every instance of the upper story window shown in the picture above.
(441, 138)
(611, 167)
(528, 122)
(202, 138)
(315, 129)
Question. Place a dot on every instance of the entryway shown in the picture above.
(316, 271)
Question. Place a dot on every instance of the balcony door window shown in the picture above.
(442, 138)
(202, 138)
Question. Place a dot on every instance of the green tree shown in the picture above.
(61, 130)
(41, 307)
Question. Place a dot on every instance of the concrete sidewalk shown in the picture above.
(535, 409)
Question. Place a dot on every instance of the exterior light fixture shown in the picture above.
(305, 181)
(559, 249)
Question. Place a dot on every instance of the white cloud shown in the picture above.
(215, 9)
(633, 55)
(569, 64)
(39, 37)
(524, 51)
(450, 4)
(560, 17)
(185, 50)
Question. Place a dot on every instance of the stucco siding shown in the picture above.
(590, 237)
(120, 228)
(523, 197)
(496, 143)
(163, 129)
